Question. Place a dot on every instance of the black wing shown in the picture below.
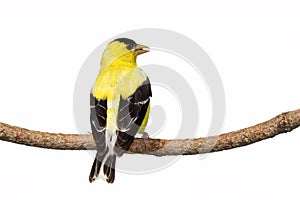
(131, 115)
(98, 122)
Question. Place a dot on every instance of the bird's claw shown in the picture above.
(145, 135)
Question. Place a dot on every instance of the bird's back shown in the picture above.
(118, 80)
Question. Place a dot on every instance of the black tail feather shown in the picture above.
(95, 169)
(108, 169)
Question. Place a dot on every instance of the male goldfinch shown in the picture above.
(119, 103)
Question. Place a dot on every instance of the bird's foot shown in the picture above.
(145, 135)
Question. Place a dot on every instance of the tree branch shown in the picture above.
(282, 123)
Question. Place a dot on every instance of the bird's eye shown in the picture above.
(129, 46)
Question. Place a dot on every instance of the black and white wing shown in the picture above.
(131, 114)
(103, 159)
(98, 122)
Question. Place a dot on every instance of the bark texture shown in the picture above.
(282, 123)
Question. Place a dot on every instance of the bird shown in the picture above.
(119, 105)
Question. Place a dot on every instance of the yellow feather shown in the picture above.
(145, 121)
(118, 80)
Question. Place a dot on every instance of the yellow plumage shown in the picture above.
(121, 79)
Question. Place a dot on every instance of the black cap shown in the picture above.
(130, 44)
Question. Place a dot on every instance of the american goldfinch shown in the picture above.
(119, 105)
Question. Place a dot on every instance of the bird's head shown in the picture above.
(122, 50)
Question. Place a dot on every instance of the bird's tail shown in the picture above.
(104, 165)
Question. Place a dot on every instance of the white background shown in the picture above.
(255, 46)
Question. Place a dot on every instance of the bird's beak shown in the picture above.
(140, 49)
